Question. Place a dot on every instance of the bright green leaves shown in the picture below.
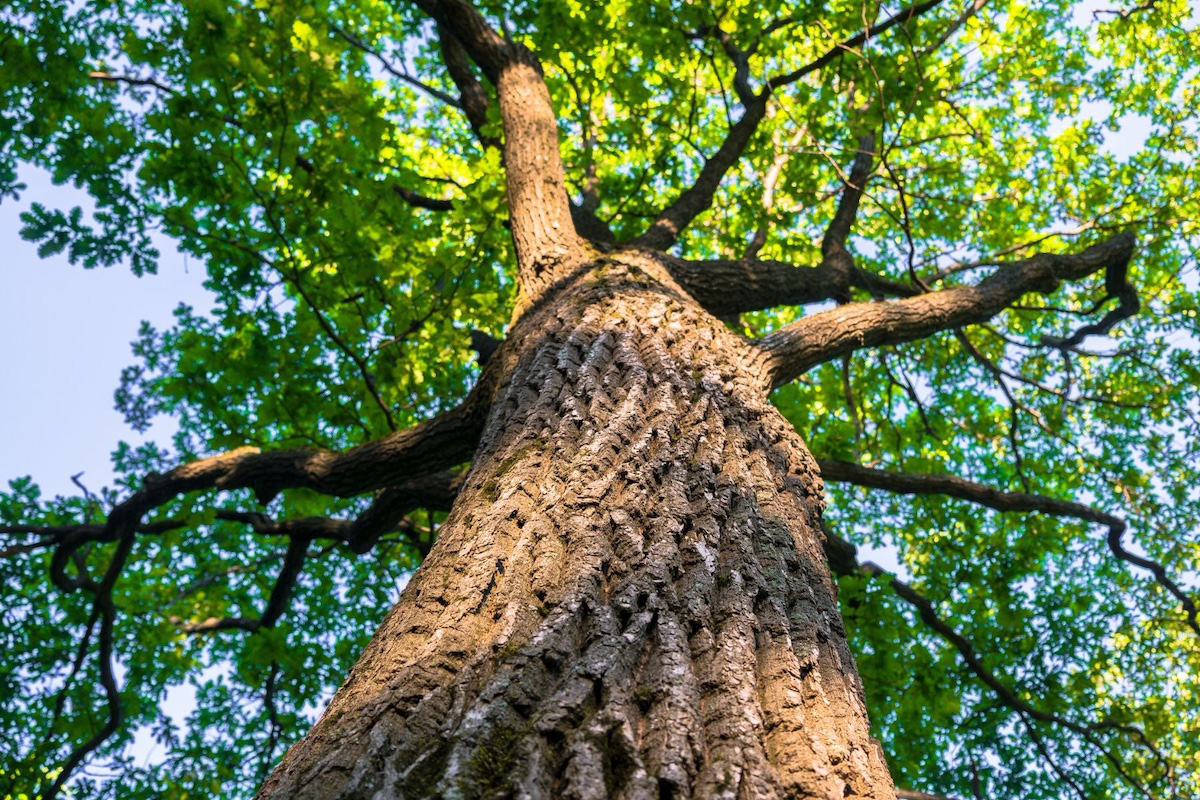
(271, 150)
(275, 142)
(218, 708)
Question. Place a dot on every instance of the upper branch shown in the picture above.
(696, 199)
(391, 69)
(847, 208)
(473, 99)
(729, 287)
(853, 43)
(810, 341)
(539, 209)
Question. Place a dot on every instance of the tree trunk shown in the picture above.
(629, 598)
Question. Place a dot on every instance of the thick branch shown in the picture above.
(726, 287)
(421, 201)
(591, 227)
(810, 341)
(953, 486)
(539, 209)
(444, 441)
(697, 199)
(847, 208)
(473, 99)
(386, 514)
(437, 493)
(729, 286)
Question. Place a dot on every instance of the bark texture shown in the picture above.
(629, 598)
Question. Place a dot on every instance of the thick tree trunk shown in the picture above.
(630, 597)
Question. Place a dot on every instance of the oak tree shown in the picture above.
(630, 322)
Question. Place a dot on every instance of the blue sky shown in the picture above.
(66, 332)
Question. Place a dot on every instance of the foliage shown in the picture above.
(276, 141)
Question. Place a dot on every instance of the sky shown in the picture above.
(67, 331)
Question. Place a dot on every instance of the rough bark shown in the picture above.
(629, 598)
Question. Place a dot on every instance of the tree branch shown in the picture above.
(928, 614)
(953, 486)
(437, 493)
(473, 99)
(844, 562)
(1116, 285)
(847, 207)
(421, 201)
(727, 286)
(542, 230)
(123, 525)
(443, 441)
(413, 454)
(853, 43)
(768, 196)
(277, 602)
(391, 69)
(810, 341)
(696, 199)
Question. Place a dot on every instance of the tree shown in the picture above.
(738, 253)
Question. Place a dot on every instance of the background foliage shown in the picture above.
(277, 142)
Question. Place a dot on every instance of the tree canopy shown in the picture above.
(335, 167)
